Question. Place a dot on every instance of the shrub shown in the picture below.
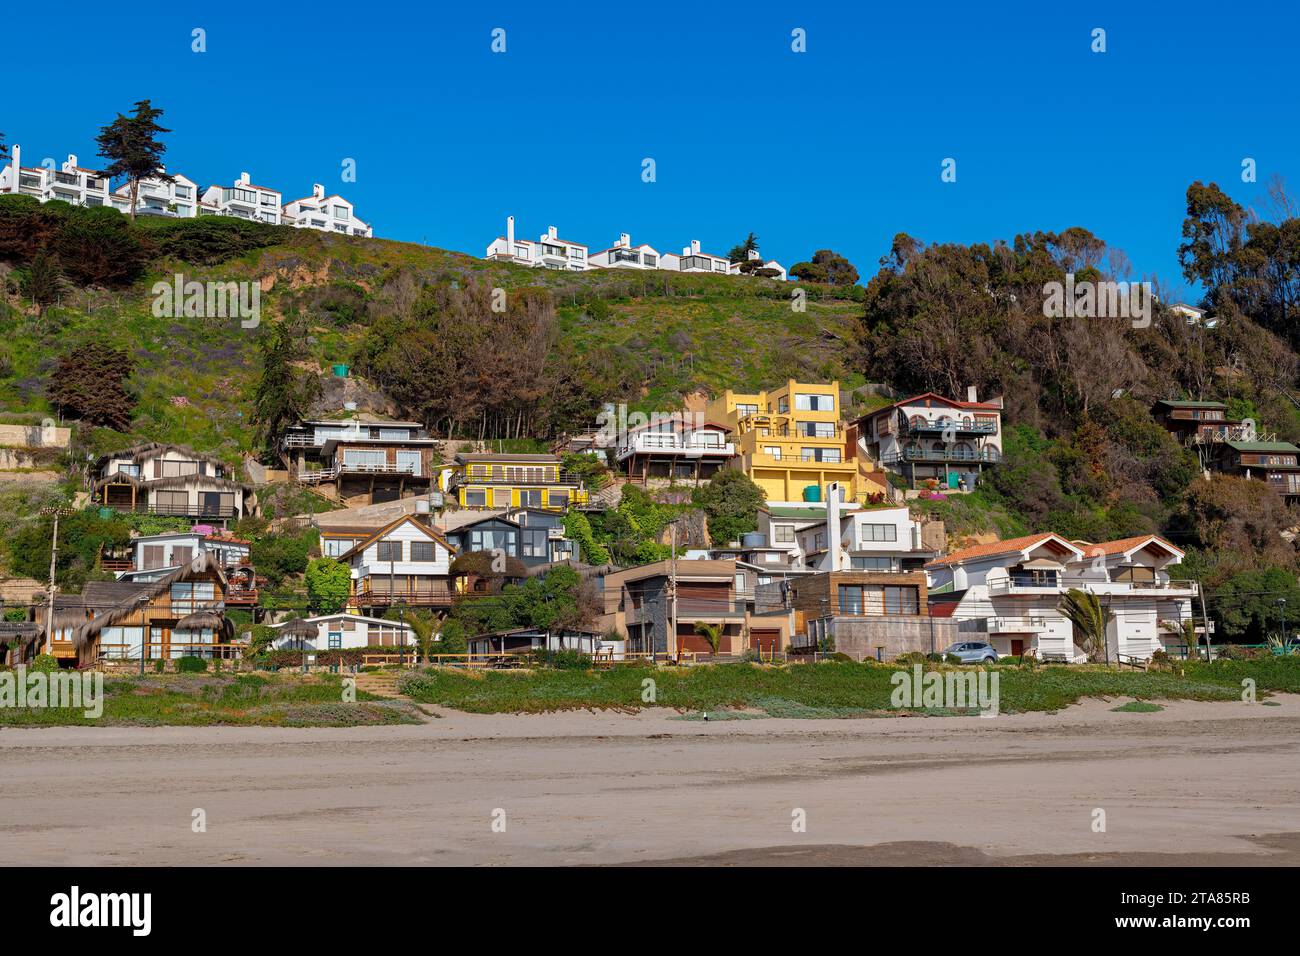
(191, 665)
(1235, 652)
(159, 666)
(45, 664)
(564, 660)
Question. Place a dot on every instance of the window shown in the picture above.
(820, 454)
(879, 532)
(534, 543)
(475, 498)
(335, 640)
(773, 450)
(390, 551)
(364, 459)
(341, 212)
(423, 551)
(743, 410)
(816, 429)
(559, 499)
(172, 502)
(878, 599)
(334, 547)
(174, 469)
(871, 564)
(651, 261)
(783, 533)
(814, 403)
(783, 404)
(819, 541)
(530, 498)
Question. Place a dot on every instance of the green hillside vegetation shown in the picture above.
(419, 326)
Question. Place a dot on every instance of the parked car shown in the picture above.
(973, 652)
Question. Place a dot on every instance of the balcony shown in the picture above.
(674, 444)
(200, 510)
(952, 427)
(986, 456)
(380, 593)
(567, 478)
(67, 179)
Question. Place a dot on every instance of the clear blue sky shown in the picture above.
(838, 147)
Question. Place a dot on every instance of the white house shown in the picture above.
(624, 255)
(552, 252)
(693, 260)
(509, 249)
(178, 198)
(170, 480)
(674, 447)
(245, 200)
(325, 213)
(345, 631)
(404, 562)
(863, 539)
(754, 263)
(1009, 592)
(71, 183)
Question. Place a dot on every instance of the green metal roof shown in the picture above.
(1178, 403)
(1264, 446)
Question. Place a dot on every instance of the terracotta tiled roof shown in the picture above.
(1009, 546)
(1121, 545)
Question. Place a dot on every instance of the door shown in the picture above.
(765, 640)
(210, 503)
(1017, 646)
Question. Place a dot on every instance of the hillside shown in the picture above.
(422, 334)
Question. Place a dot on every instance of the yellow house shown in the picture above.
(789, 440)
(485, 480)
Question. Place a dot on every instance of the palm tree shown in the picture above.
(1090, 620)
(711, 632)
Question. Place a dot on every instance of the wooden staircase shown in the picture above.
(380, 683)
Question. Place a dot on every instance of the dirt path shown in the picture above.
(1195, 783)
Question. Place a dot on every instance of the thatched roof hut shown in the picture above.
(298, 628)
(206, 563)
(146, 450)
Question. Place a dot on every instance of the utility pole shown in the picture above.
(1205, 619)
(57, 512)
(671, 642)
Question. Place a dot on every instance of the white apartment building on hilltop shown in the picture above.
(548, 252)
(325, 213)
(552, 252)
(71, 183)
(178, 198)
(624, 255)
(245, 200)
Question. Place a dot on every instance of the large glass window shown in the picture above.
(390, 551)
(423, 551)
(879, 532)
(814, 403)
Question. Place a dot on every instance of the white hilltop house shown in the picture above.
(178, 198)
(326, 213)
(736, 268)
(548, 252)
(694, 260)
(244, 200)
(71, 183)
(624, 255)
(1009, 593)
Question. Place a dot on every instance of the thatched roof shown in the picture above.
(18, 633)
(298, 628)
(206, 563)
(200, 620)
(584, 570)
(150, 449)
(175, 481)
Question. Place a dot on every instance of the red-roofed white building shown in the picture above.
(325, 213)
(548, 252)
(178, 198)
(1009, 594)
(70, 183)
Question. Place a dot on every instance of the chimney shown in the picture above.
(695, 247)
(552, 233)
(971, 393)
(243, 180)
(753, 254)
(625, 240)
(317, 191)
(510, 234)
(17, 163)
(833, 523)
(71, 164)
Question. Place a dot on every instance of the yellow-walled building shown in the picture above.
(789, 440)
(485, 480)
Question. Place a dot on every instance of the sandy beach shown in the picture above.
(1197, 783)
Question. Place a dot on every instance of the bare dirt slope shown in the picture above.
(1196, 783)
